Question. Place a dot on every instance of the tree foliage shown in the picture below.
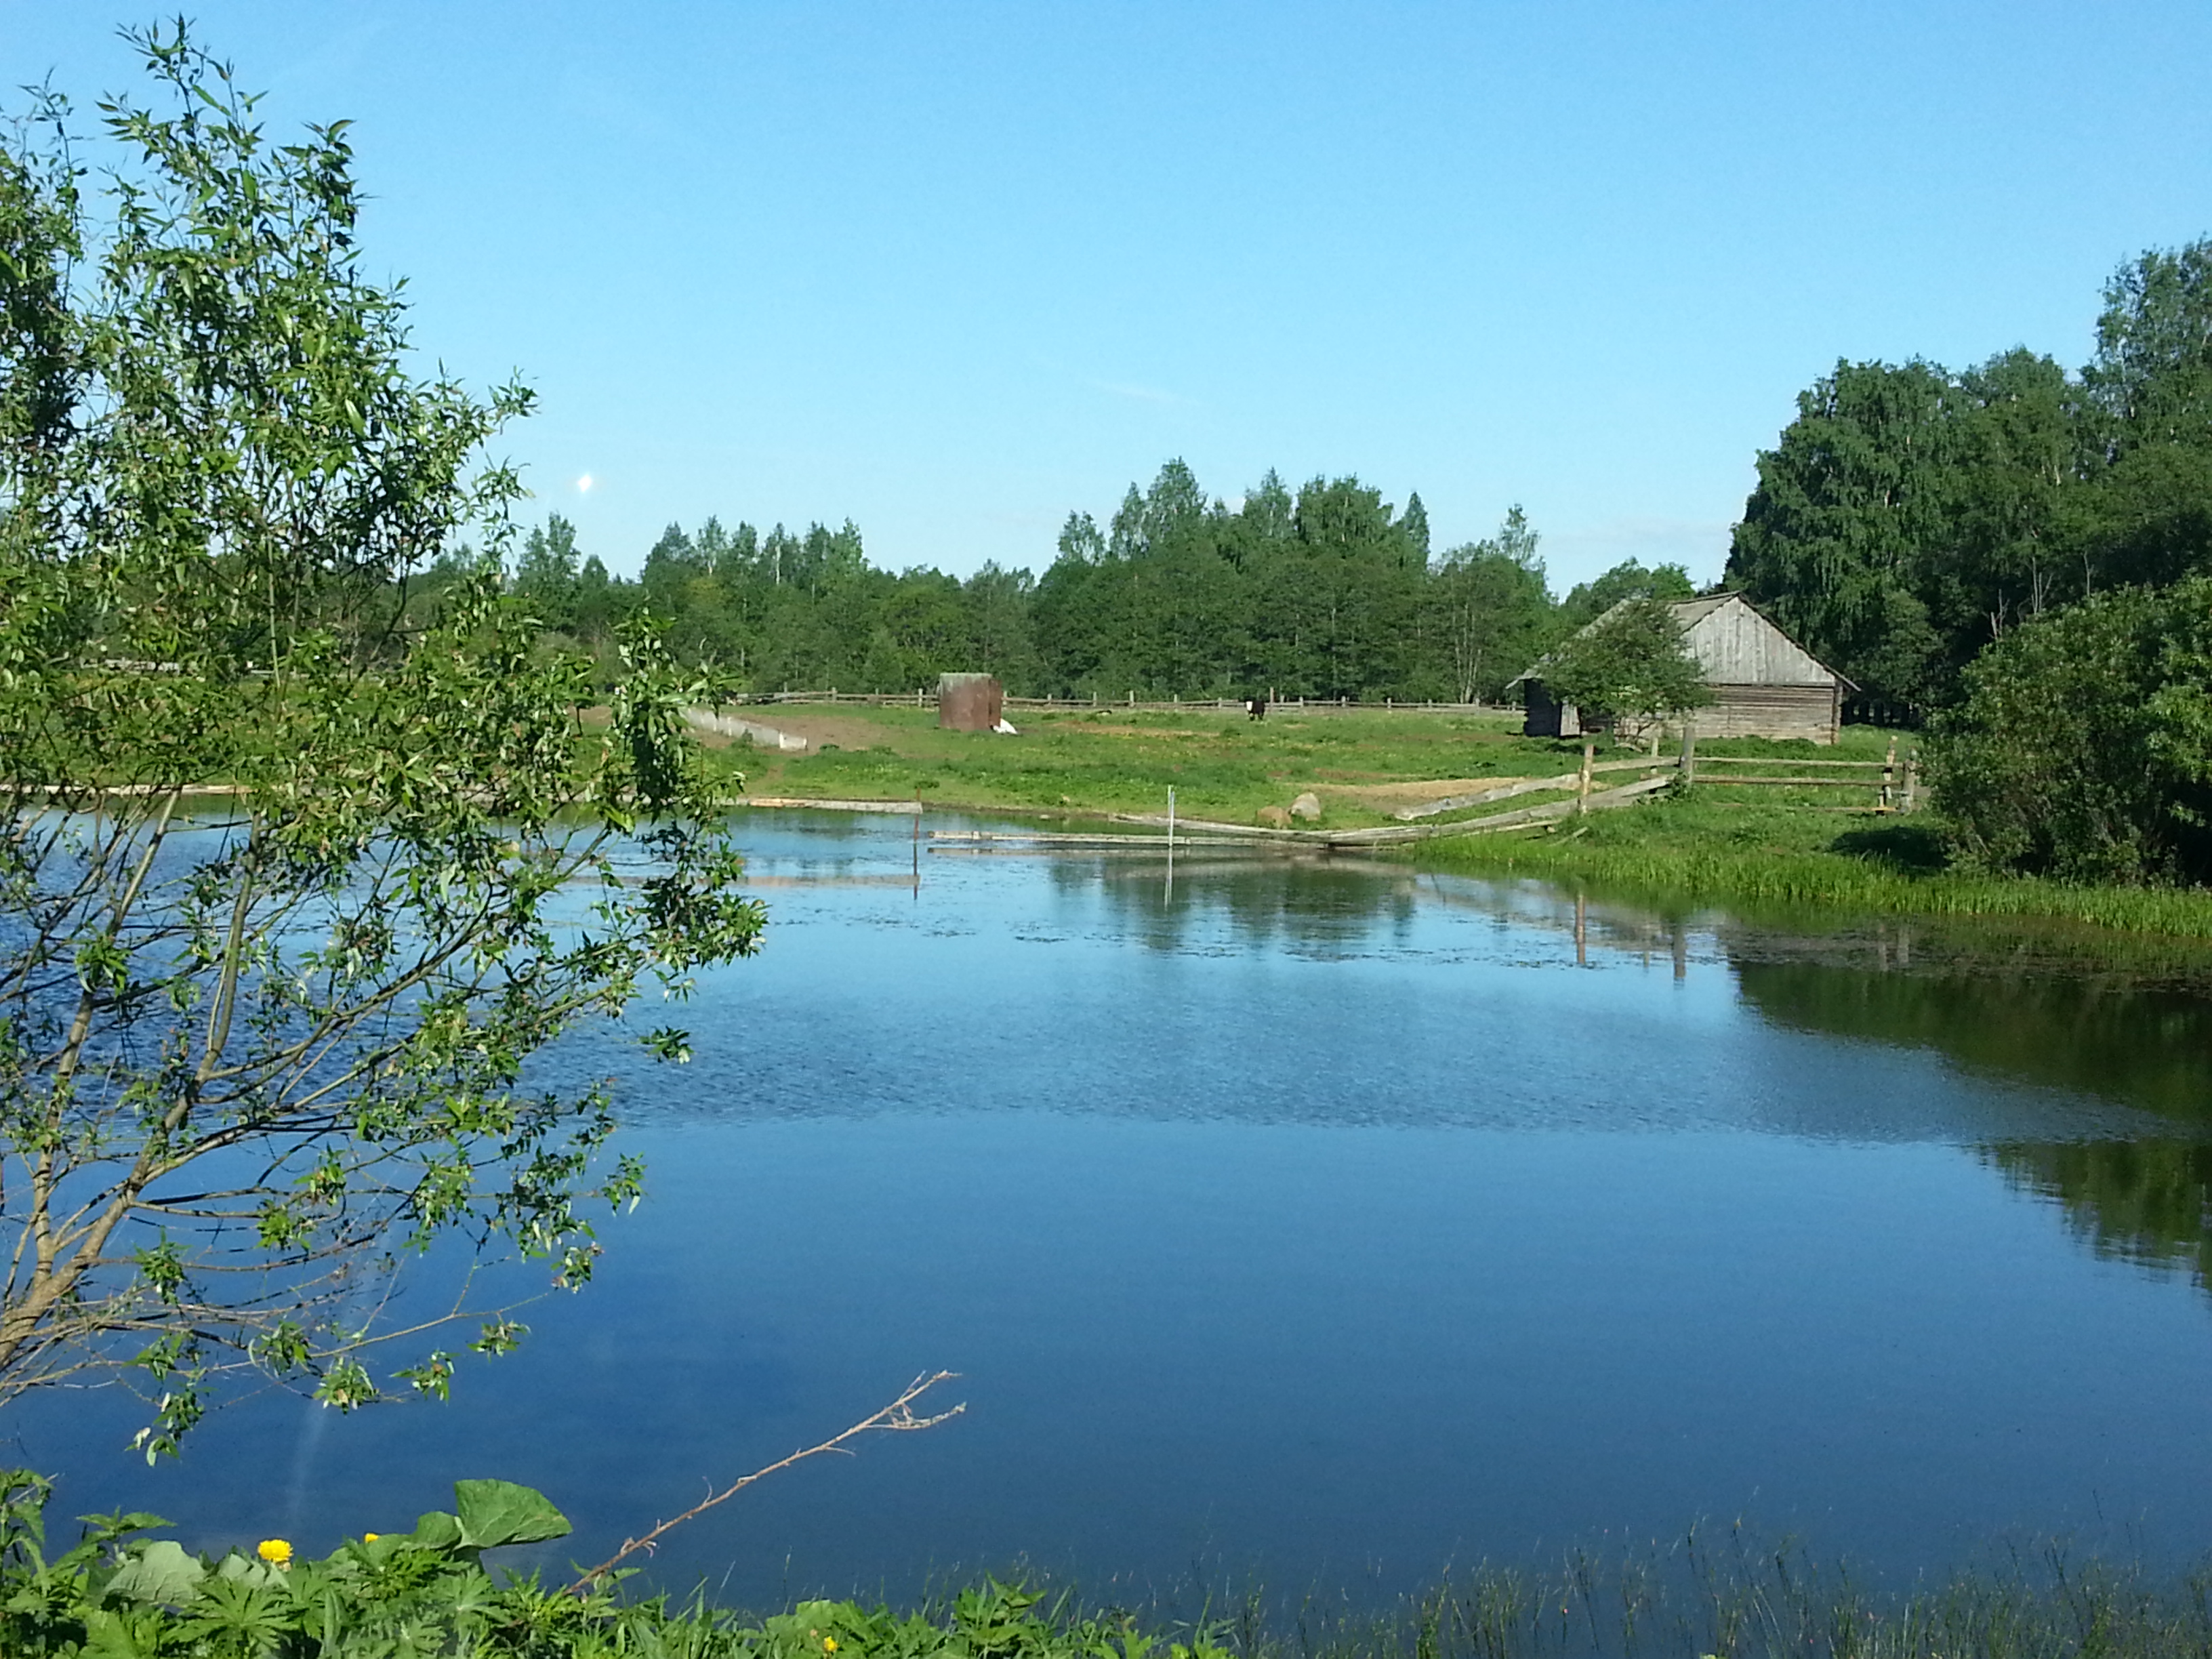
(1324, 591)
(1631, 661)
(1911, 515)
(2082, 746)
(299, 863)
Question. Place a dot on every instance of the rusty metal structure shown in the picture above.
(969, 702)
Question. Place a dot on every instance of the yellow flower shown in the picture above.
(275, 1551)
(829, 1644)
(370, 1537)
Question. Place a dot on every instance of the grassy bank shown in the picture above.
(1706, 848)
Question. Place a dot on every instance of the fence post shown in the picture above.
(1889, 776)
(1912, 779)
(1689, 748)
(1582, 795)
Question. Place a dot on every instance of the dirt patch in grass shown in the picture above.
(846, 731)
(1388, 797)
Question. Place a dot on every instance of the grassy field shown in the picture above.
(1741, 846)
(1222, 766)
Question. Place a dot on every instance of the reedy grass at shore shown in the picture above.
(1730, 1598)
(1705, 848)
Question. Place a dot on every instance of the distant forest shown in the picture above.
(1325, 593)
(1910, 516)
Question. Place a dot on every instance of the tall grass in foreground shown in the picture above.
(118, 1595)
(1728, 1598)
(1739, 1604)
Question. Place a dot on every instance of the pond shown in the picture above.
(1324, 1224)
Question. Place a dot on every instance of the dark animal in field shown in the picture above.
(1256, 708)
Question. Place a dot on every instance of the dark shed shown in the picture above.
(969, 702)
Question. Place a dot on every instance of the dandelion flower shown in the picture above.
(276, 1552)
(829, 1644)
(370, 1537)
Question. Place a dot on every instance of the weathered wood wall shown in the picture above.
(1736, 645)
(1772, 711)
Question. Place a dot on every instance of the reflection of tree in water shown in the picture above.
(2148, 1049)
(2140, 1200)
(1326, 906)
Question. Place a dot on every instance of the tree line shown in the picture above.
(1328, 592)
(1911, 514)
(2021, 556)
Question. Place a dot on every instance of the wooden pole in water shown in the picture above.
(1172, 819)
(1582, 798)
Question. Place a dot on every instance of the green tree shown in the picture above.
(1495, 612)
(251, 1058)
(1629, 580)
(1836, 537)
(2149, 437)
(2083, 747)
(548, 574)
(1630, 662)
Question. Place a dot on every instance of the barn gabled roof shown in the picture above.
(1704, 645)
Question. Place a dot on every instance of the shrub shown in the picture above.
(2082, 747)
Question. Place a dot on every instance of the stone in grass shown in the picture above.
(1306, 806)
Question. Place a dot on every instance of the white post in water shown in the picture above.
(1169, 890)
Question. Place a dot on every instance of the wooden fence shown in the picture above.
(924, 698)
(1895, 785)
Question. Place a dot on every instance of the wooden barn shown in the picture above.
(1764, 684)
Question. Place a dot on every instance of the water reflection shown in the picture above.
(1226, 900)
(2113, 1020)
(2144, 1201)
(1318, 1215)
(2149, 1049)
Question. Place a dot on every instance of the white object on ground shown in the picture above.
(1007, 727)
(729, 725)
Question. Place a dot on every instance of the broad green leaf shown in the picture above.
(438, 1530)
(163, 1572)
(496, 1512)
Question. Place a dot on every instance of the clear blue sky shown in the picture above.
(954, 269)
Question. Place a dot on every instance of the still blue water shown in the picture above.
(1322, 1225)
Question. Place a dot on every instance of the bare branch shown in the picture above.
(897, 1417)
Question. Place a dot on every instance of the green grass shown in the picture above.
(1707, 847)
(1221, 765)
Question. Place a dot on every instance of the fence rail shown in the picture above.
(925, 697)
